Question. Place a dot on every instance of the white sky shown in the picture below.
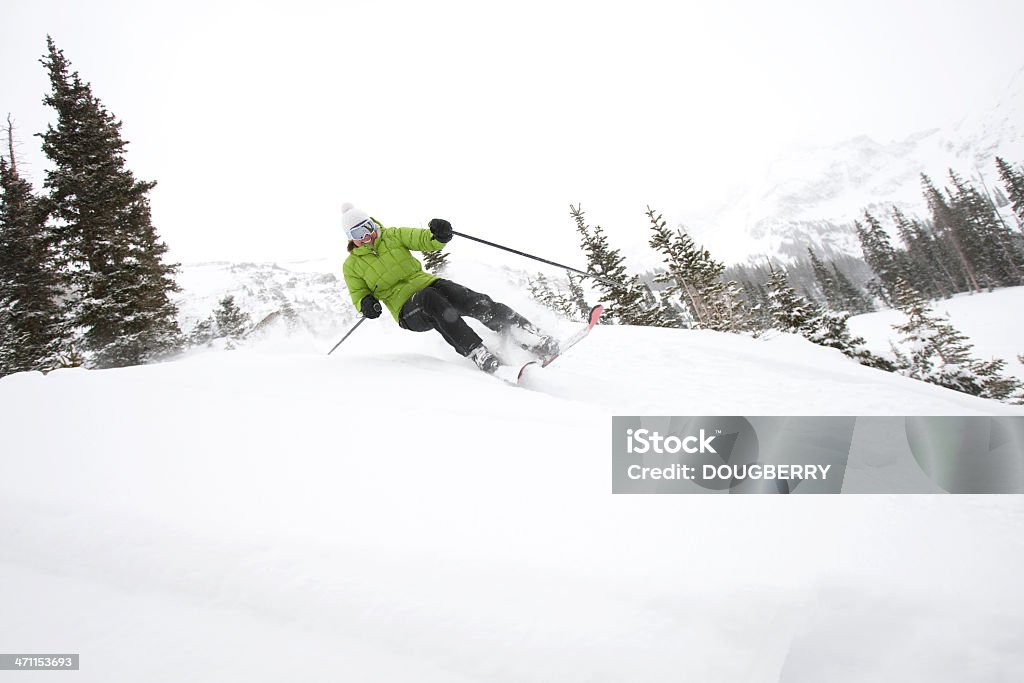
(259, 119)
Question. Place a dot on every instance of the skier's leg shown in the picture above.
(498, 317)
(428, 309)
(495, 315)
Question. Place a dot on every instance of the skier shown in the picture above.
(380, 267)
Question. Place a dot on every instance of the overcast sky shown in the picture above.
(259, 119)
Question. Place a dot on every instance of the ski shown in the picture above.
(595, 316)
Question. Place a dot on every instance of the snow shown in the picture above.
(389, 513)
(990, 320)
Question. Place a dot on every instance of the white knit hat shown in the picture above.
(351, 217)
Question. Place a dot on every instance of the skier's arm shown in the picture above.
(357, 287)
(417, 239)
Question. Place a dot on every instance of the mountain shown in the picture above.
(305, 299)
(812, 196)
(303, 304)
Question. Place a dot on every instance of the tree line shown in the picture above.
(964, 246)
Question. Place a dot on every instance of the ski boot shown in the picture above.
(545, 347)
(484, 359)
(532, 340)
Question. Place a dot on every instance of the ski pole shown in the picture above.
(601, 278)
(347, 335)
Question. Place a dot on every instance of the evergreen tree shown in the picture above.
(231, 321)
(545, 294)
(227, 321)
(577, 307)
(827, 284)
(627, 302)
(931, 261)
(1013, 180)
(1000, 199)
(758, 303)
(31, 329)
(888, 264)
(852, 299)
(999, 254)
(119, 285)
(936, 352)
(791, 312)
(204, 332)
(673, 314)
(696, 278)
(951, 226)
(435, 261)
(571, 304)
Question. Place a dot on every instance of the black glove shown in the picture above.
(441, 229)
(370, 305)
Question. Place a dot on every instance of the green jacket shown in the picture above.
(387, 269)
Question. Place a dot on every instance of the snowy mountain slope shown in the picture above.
(389, 513)
(304, 297)
(812, 196)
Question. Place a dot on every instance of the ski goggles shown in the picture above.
(362, 230)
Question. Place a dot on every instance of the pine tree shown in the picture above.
(852, 299)
(232, 322)
(696, 278)
(934, 351)
(577, 308)
(758, 303)
(931, 262)
(789, 311)
(951, 226)
(827, 284)
(31, 328)
(793, 313)
(888, 264)
(999, 255)
(626, 301)
(569, 304)
(119, 284)
(435, 261)
(1013, 179)
(204, 332)
(544, 293)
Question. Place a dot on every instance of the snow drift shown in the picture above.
(389, 513)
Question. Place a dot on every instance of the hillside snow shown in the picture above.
(389, 513)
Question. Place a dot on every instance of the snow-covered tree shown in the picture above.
(932, 350)
(695, 278)
(228, 322)
(31, 329)
(794, 313)
(118, 282)
(1013, 180)
(626, 299)
(789, 311)
(570, 302)
(232, 322)
(544, 293)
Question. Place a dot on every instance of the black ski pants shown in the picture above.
(441, 305)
